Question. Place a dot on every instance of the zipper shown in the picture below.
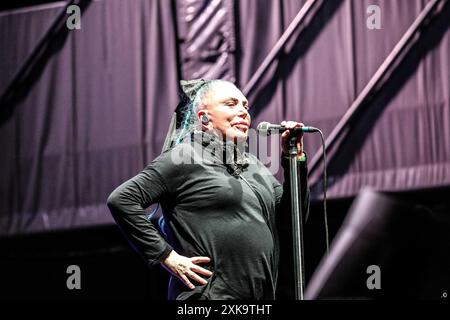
(266, 217)
(265, 214)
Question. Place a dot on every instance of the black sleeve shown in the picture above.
(127, 204)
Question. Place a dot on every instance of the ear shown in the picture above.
(200, 115)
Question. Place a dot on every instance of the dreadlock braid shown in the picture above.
(189, 122)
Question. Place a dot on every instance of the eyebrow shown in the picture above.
(244, 102)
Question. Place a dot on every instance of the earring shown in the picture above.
(205, 119)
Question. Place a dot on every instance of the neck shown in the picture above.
(230, 151)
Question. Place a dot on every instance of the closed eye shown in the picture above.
(235, 102)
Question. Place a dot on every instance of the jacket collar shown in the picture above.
(232, 155)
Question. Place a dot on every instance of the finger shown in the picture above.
(196, 277)
(186, 281)
(293, 124)
(290, 124)
(200, 259)
(201, 270)
(283, 123)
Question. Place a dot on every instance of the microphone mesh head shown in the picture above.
(263, 128)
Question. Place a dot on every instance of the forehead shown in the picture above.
(225, 90)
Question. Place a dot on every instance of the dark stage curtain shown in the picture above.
(403, 141)
(94, 116)
(99, 109)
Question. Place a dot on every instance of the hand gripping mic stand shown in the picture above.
(297, 218)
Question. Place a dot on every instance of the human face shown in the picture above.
(227, 110)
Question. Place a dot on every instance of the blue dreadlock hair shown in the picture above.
(193, 92)
(185, 125)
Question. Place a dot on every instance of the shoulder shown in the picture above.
(174, 156)
(177, 160)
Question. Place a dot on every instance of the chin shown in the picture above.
(235, 134)
(240, 137)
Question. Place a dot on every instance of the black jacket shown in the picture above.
(226, 212)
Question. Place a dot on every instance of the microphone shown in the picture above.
(266, 128)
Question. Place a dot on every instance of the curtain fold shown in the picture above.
(100, 109)
(96, 115)
(402, 143)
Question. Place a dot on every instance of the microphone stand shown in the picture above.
(297, 219)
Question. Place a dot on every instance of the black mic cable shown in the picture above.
(325, 216)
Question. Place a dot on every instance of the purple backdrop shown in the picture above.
(101, 107)
(97, 114)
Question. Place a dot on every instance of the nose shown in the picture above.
(243, 112)
(245, 116)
